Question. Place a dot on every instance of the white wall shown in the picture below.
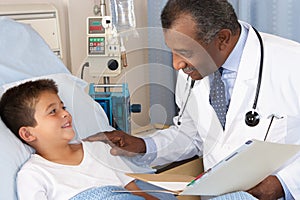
(73, 14)
(59, 4)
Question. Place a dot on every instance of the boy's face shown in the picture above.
(54, 123)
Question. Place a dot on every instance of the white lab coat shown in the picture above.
(200, 132)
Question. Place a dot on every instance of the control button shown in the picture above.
(112, 64)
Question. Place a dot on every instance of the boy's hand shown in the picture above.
(122, 143)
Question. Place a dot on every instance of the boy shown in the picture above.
(34, 112)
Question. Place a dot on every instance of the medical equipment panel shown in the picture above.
(103, 47)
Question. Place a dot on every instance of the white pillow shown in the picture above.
(88, 118)
(24, 53)
(13, 153)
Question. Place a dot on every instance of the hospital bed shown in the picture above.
(24, 56)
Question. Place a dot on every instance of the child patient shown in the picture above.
(59, 169)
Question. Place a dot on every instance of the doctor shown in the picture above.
(259, 76)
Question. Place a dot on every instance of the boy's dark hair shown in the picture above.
(210, 16)
(17, 105)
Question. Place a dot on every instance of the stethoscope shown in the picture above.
(252, 117)
(187, 98)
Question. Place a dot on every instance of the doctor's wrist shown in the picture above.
(270, 188)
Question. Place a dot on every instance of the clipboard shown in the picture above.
(241, 170)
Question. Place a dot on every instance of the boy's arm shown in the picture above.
(30, 187)
(133, 186)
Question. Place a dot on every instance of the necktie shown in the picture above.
(217, 96)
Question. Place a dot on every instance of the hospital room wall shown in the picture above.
(72, 18)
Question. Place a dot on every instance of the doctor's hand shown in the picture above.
(269, 189)
(122, 143)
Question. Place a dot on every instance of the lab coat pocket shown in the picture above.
(277, 129)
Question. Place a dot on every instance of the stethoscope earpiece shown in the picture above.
(252, 118)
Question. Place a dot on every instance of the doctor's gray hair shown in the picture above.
(210, 16)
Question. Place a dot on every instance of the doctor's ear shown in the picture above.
(223, 38)
(26, 135)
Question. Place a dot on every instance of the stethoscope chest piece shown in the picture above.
(252, 118)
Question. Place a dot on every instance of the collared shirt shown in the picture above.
(231, 65)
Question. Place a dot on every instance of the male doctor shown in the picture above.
(204, 36)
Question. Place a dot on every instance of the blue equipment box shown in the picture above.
(115, 101)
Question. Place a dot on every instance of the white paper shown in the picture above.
(243, 169)
(240, 171)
